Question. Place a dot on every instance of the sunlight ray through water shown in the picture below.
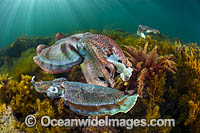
(47, 17)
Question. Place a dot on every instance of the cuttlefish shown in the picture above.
(87, 99)
(143, 29)
(100, 59)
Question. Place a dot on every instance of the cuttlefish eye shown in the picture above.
(53, 89)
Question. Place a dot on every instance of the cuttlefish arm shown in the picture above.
(125, 72)
(51, 88)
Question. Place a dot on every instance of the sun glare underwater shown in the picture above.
(115, 59)
(47, 17)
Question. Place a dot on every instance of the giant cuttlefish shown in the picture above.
(143, 29)
(100, 59)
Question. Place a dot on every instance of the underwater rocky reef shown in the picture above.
(166, 75)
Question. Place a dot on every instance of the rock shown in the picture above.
(23, 43)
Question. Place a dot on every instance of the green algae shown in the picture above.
(175, 96)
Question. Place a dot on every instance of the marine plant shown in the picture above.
(7, 119)
(24, 65)
(154, 102)
(188, 73)
(23, 101)
(146, 65)
(44, 108)
(149, 76)
(5, 81)
(164, 94)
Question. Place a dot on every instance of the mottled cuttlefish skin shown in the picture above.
(87, 99)
(100, 48)
(94, 100)
(97, 53)
(60, 57)
(91, 73)
(100, 58)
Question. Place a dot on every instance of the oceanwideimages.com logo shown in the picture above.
(46, 121)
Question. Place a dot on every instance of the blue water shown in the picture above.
(175, 18)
